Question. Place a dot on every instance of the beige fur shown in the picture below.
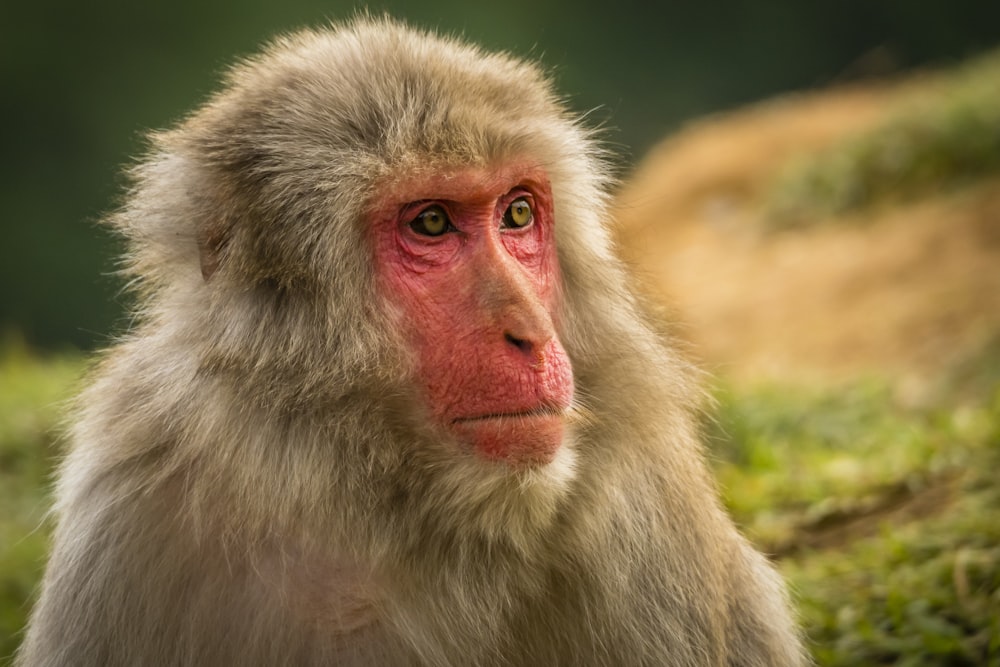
(252, 481)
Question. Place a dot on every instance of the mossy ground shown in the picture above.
(884, 519)
(33, 392)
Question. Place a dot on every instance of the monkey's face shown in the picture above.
(467, 259)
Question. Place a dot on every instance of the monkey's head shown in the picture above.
(373, 215)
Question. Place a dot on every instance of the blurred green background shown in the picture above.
(82, 82)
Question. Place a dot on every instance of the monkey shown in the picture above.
(388, 397)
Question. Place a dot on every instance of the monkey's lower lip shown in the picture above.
(527, 438)
(522, 414)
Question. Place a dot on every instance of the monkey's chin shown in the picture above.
(521, 440)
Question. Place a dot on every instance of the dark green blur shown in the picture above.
(80, 83)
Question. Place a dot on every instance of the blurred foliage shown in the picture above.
(82, 83)
(816, 453)
(883, 516)
(925, 593)
(946, 137)
(32, 395)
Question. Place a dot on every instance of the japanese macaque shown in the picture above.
(389, 399)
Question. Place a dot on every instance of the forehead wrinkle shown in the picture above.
(471, 184)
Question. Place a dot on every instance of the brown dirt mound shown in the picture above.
(905, 291)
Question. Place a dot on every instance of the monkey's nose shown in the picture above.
(522, 344)
(534, 352)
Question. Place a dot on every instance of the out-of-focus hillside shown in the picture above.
(834, 259)
(900, 276)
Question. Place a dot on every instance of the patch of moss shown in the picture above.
(887, 517)
(32, 395)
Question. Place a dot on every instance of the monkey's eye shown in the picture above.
(432, 221)
(518, 214)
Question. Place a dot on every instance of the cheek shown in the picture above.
(456, 363)
(438, 329)
(534, 251)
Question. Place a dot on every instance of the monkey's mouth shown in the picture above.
(547, 411)
(518, 437)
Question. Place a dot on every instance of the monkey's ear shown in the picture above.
(211, 242)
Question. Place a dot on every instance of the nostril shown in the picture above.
(521, 344)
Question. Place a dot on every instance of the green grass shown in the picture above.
(946, 137)
(885, 519)
(32, 392)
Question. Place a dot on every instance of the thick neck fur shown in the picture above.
(502, 571)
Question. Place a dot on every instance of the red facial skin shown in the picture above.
(477, 302)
